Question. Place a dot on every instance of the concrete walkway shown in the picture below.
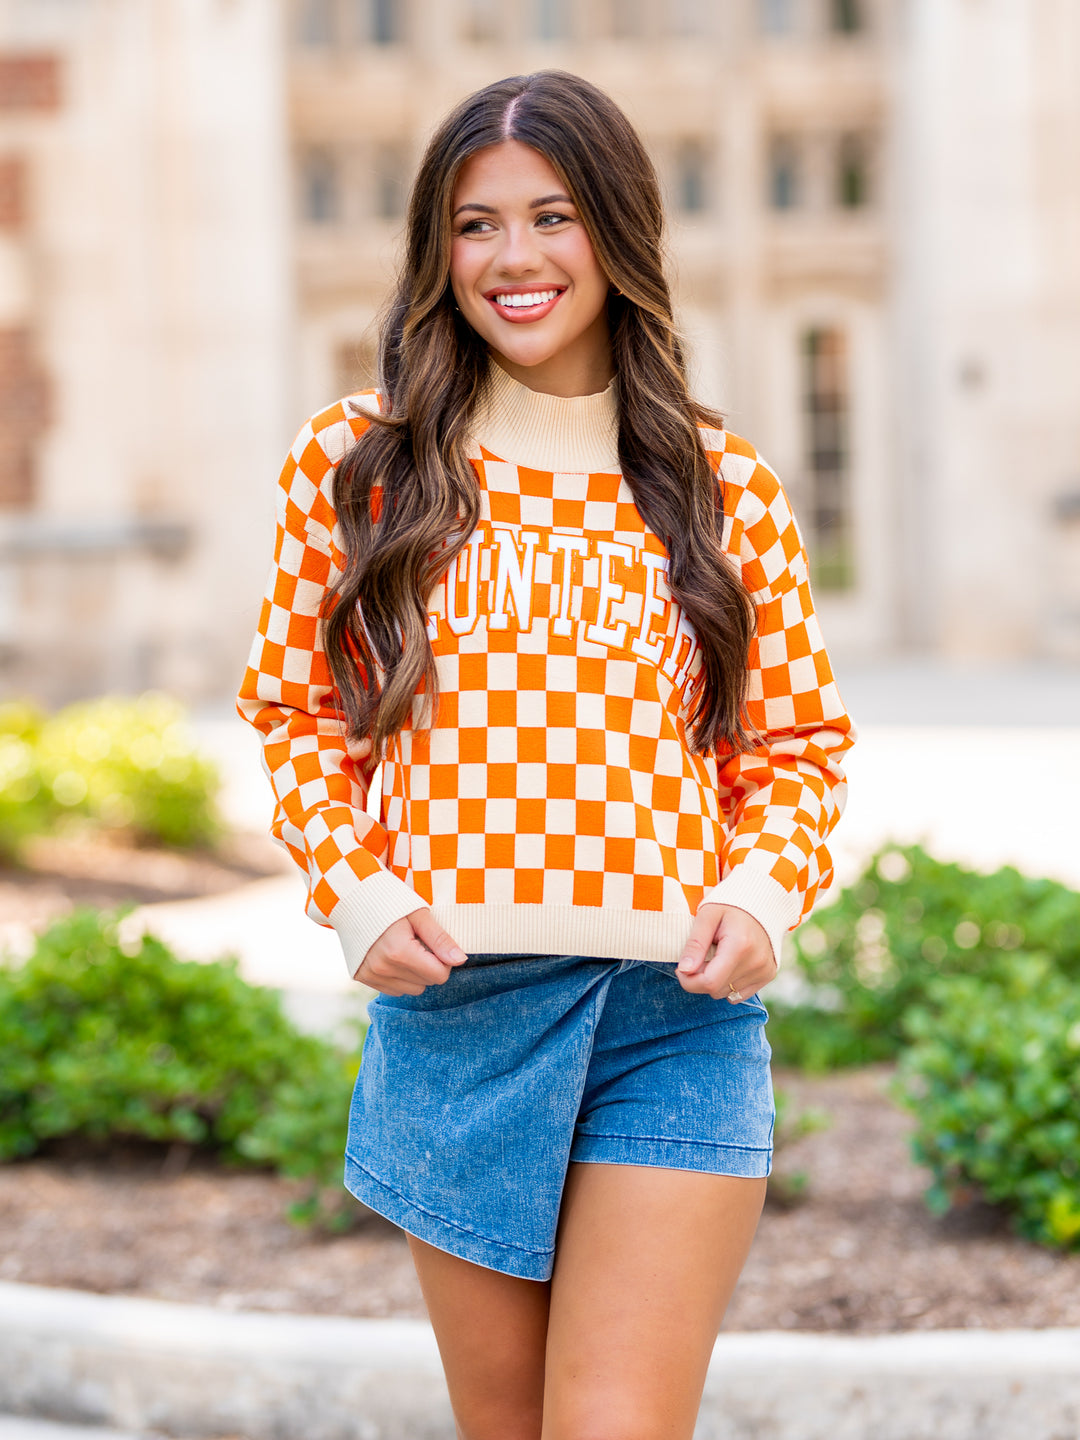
(194, 1371)
(15, 1427)
(12, 1427)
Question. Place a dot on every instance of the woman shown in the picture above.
(571, 615)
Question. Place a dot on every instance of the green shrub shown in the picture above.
(788, 1187)
(870, 956)
(992, 1074)
(27, 806)
(105, 1040)
(130, 763)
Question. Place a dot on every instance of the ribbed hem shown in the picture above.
(578, 434)
(600, 934)
(775, 909)
(361, 916)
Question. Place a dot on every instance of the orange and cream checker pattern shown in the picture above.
(558, 771)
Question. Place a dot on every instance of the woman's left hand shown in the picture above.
(742, 963)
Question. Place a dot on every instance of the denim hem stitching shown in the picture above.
(434, 1215)
(672, 1140)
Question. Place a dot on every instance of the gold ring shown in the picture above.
(734, 994)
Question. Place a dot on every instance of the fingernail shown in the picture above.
(456, 956)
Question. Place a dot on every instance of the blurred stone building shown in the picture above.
(875, 245)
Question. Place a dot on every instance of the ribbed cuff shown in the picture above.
(361, 916)
(775, 909)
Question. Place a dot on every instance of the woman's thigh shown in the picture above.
(645, 1264)
(491, 1329)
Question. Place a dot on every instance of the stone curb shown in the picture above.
(198, 1372)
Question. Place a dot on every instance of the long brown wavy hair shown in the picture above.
(407, 499)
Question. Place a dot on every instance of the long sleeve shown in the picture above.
(782, 799)
(320, 782)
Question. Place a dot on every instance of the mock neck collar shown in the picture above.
(547, 432)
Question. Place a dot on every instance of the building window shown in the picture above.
(691, 177)
(23, 415)
(391, 181)
(376, 22)
(688, 17)
(320, 188)
(387, 22)
(785, 178)
(482, 21)
(826, 406)
(852, 173)
(847, 17)
(776, 17)
(316, 22)
(626, 19)
(552, 20)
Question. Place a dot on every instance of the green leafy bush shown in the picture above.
(119, 762)
(992, 1073)
(870, 956)
(104, 1039)
(26, 802)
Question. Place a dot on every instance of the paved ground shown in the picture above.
(13, 1427)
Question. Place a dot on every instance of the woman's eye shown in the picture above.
(473, 227)
(553, 217)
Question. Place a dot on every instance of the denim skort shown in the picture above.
(474, 1096)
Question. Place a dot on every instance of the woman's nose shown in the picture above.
(520, 253)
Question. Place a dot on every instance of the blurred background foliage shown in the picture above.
(970, 980)
(107, 1035)
(118, 763)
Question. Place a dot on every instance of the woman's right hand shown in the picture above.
(409, 955)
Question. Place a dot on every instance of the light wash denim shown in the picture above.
(475, 1095)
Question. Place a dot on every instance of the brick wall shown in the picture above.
(29, 82)
(24, 409)
(12, 192)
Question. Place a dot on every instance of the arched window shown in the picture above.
(387, 23)
(552, 19)
(626, 19)
(482, 20)
(688, 17)
(847, 16)
(391, 181)
(316, 22)
(785, 173)
(776, 17)
(826, 408)
(852, 172)
(320, 188)
(691, 176)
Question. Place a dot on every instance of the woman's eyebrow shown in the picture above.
(533, 205)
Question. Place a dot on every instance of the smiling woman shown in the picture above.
(570, 613)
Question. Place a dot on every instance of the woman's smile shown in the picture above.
(520, 306)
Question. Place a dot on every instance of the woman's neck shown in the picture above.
(543, 431)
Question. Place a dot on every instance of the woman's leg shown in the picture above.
(645, 1264)
(492, 1330)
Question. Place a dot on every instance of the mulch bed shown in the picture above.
(860, 1254)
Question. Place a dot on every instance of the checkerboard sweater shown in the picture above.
(554, 807)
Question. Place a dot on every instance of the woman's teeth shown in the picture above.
(518, 302)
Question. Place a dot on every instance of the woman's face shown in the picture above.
(524, 274)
